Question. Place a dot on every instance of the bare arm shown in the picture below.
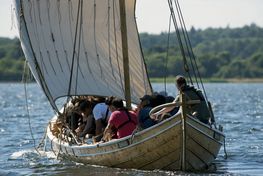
(99, 127)
(166, 109)
(108, 133)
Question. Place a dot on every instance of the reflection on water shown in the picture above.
(238, 107)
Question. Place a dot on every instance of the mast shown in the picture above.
(125, 53)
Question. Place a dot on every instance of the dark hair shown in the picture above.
(169, 99)
(157, 100)
(84, 105)
(180, 80)
(108, 100)
(117, 103)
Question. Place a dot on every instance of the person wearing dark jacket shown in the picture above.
(143, 110)
(199, 110)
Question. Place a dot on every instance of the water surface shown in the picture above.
(238, 107)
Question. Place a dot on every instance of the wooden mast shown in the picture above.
(125, 53)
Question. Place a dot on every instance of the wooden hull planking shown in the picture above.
(159, 147)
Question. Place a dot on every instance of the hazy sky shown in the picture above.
(153, 15)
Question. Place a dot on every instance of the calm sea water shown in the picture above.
(238, 107)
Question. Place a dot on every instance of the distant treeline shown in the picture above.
(220, 53)
(11, 60)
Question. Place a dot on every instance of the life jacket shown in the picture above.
(126, 122)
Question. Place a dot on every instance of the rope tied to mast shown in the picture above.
(185, 45)
(187, 50)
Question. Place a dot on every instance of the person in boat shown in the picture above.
(73, 116)
(157, 99)
(143, 110)
(199, 110)
(122, 122)
(169, 99)
(101, 114)
(88, 125)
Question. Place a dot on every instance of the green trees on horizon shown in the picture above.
(11, 60)
(220, 52)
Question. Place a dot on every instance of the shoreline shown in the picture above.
(213, 80)
(172, 80)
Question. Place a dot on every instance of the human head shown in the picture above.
(157, 100)
(180, 82)
(85, 107)
(116, 104)
(169, 99)
(108, 100)
(163, 93)
(146, 99)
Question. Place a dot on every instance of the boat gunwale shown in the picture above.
(112, 142)
(116, 141)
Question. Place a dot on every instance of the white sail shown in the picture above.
(52, 30)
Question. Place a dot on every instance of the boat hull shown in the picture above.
(162, 146)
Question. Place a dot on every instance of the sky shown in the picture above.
(153, 15)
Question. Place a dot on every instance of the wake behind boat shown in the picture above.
(82, 48)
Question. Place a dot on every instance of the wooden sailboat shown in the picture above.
(80, 48)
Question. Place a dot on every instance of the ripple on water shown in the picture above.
(239, 109)
(9, 173)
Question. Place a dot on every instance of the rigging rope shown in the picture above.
(188, 48)
(184, 33)
(78, 53)
(185, 45)
(192, 56)
(180, 41)
(73, 53)
(37, 67)
(25, 80)
(167, 53)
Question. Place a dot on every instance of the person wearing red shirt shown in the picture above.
(121, 122)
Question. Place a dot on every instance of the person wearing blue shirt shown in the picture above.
(143, 111)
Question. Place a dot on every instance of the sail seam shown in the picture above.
(109, 39)
(38, 71)
(87, 59)
(73, 52)
(116, 46)
(53, 40)
(95, 39)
